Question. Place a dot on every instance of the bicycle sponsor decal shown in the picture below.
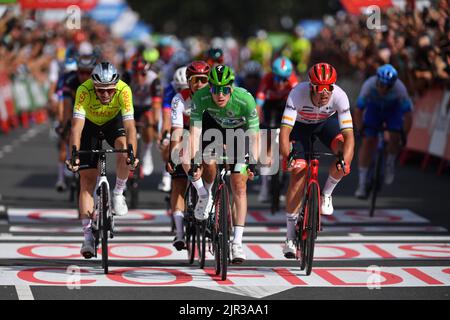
(254, 251)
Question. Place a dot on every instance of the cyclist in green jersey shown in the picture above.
(224, 114)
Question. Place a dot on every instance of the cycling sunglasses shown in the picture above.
(280, 79)
(319, 88)
(108, 91)
(196, 79)
(218, 89)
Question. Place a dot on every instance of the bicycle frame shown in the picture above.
(312, 178)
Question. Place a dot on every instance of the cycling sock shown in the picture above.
(120, 186)
(166, 174)
(148, 148)
(264, 182)
(179, 217)
(61, 168)
(201, 190)
(87, 229)
(330, 185)
(362, 175)
(238, 232)
(291, 220)
(390, 160)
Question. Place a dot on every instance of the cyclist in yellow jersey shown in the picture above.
(104, 105)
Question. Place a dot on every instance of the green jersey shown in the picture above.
(240, 112)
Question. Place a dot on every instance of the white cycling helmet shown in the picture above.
(105, 75)
(179, 79)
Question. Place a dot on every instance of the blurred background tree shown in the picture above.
(219, 17)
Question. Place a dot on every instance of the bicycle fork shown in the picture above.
(313, 169)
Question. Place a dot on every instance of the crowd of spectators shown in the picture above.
(415, 42)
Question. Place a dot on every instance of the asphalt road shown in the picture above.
(402, 253)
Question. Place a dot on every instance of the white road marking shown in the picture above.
(24, 292)
(259, 278)
(254, 251)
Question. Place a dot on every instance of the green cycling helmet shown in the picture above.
(221, 75)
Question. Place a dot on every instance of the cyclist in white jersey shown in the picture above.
(318, 107)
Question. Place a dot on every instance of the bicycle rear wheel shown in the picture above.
(189, 223)
(104, 224)
(224, 237)
(311, 226)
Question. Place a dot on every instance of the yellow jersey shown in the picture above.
(88, 106)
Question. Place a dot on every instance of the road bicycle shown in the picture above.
(376, 172)
(309, 223)
(103, 218)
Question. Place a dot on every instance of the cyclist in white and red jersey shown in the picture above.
(197, 77)
(318, 107)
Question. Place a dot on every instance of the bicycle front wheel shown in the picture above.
(104, 223)
(200, 229)
(311, 226)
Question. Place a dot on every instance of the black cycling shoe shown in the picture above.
(179, 244)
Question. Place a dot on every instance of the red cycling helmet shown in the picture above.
(140, 65)
(322, 74)
(197, 68)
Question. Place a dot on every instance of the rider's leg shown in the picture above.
(177, 204)
(123, 172)
(294, 197)
(88, 180)
(60, 184)
(393, 148)
(239, 190)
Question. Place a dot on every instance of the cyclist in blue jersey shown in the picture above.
(383, 103)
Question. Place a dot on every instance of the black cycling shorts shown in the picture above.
(273, 113)
(90, 139)
(140, 111)
(326, 131)
(240, 150)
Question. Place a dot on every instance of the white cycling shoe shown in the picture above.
(237, 253)
(327, 205)
(119, 205)
(203, 207)
(147, 164)
(166, 184)
(289, 249)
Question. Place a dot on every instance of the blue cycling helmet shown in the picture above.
(282, 67)
(387, 75)
(70, 65)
